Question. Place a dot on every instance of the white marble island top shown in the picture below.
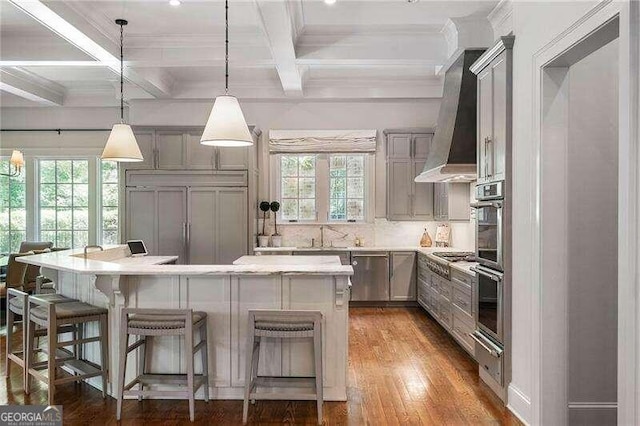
(113, 261)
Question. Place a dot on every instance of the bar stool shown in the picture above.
(148, 324)
(57, 318)
(282, 324)
(16, 306)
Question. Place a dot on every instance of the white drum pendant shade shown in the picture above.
(226, 125)
(122, 145)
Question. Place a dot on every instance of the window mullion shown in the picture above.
(94, 198)
(322, 187)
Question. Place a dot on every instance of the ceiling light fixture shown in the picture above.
(226, 125)
(175, 2)
(17, 161)
(329, 1)
(122, 145)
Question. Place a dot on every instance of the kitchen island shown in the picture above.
(113, 280)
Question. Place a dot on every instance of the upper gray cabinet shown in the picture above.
(494, 70)
(407, 151)
(451, 201)
(180, 149)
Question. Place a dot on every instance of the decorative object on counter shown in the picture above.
(276, 239)
(359, 242)
(122, 144)
(17, 161)
(226, 125)
(443, 235)
(263, 238)
(425, 241)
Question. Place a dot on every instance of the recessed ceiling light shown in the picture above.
(329, 1)
(413, 1)
(175, 2)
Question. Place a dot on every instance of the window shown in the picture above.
(298, 187)
(64, 202)
(13, 213)
(109, 182)
(346, 187)
(321, 187)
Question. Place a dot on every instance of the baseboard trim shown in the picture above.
(519, 404)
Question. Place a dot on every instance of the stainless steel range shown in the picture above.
(441, 265)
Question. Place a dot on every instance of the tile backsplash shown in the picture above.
(380, 233)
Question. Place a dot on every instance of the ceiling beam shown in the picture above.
(28, 87)
(83, 39)
(279, 27)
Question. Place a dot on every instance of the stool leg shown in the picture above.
(142, 361)
(28, 352)
(104, 353)
(122, 364)
(317, 349)
(188, 340)
(9, 340)
(205, 359)
(52, 346)
(248, 374)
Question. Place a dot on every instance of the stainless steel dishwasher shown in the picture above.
(370, 281)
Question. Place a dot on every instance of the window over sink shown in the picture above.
(318, 188)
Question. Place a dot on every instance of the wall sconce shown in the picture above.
(17, 161)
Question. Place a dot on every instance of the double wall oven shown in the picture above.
(489, 309)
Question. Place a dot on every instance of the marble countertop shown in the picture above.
(425, 250)
(74, 261)
(287, 260)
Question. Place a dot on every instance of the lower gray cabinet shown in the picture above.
(449, 302)
(402, 283)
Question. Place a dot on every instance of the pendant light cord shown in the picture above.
(226, 47)
(121, 73)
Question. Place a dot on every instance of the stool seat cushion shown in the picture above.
(168, 321)
(16, 303)
(68, 310)
(283, 326)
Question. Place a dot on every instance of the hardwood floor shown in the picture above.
(403, 369)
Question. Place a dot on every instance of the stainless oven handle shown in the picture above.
(484, 273)
(370, 255)
(482, 204)
(492, 351)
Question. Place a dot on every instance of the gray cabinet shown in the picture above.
(450, 302)
(200, 217)
(451, 201)
(406, 155)
(494, 112)
(217, 216)
(402, 280)
(158, 216)
(180, 149)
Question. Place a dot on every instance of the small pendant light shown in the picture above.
(226, 125)
(122, 145)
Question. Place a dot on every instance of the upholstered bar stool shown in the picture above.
(148, 324)
(282, 324)
(58, 318)
(17, 303)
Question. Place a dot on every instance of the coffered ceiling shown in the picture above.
(65, 52)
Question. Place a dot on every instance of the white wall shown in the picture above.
(534, 24)
(363, 114)
(592, 232)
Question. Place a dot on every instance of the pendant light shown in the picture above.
(226, 125)
(17, 161)
(122, 145)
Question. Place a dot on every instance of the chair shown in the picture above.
(17, 303)
(282, 324)
(54, 317)
(149, 324)
(27, 246)
(15, 274)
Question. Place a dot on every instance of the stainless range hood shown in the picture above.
(452, 157)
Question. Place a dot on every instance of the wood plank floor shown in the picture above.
(403, 369)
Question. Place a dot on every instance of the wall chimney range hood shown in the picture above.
(452, 157)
